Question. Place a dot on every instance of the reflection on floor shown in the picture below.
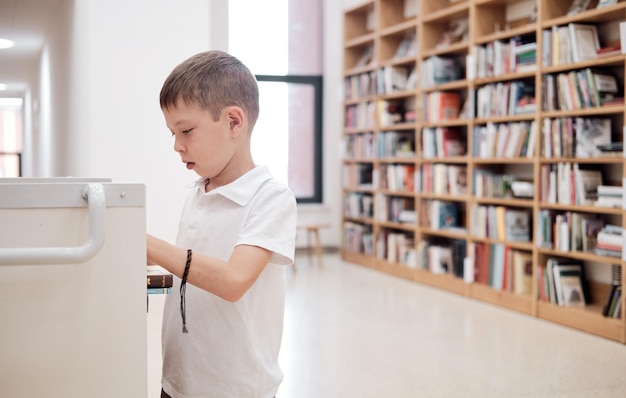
(355, 332)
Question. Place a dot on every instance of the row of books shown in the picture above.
(442, 142)
(360, 86)
(610, 196)
(441, 69)
(359, 175)
(610, 241)
(443, 179)
(398, 177)
(441, 106)
(360, 115)
(358, 205)
(565, 44)
(442, 256)
(570, 231)
(385, 80)
(441, 215)
(578, 6)
(501, 222)
(568, 184)
(562, 282)
(390, 112)
(395, 209)
(502, 267)
(396, 247)
(580, 89)
(504, 140)
(505, 99)
(393, 144)
(581, 137)
(358, 238)
(502, 57)
(488, 184)
(359, 146)
(613, 304)
(388, 144)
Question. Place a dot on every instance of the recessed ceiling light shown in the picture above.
(3, 86)
(6, 43)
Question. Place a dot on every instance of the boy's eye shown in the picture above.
(186, 131)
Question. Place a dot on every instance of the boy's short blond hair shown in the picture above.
(212, 80)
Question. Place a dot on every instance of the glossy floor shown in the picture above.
(352, 332)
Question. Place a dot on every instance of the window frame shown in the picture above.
(317, 82)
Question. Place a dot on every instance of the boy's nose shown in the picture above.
(178, 147)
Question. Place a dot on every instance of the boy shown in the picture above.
(222, 335)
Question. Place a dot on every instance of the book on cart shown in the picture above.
(158, 278)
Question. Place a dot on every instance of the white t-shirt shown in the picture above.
(231, 349)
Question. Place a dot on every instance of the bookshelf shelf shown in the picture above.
(602, 62)
(504, 77)
(593, 16)
(596, 160)
(604, 110)
(459, 183)
(516, 302)
(457, 48)
(459, 9)
(504, 202)
(581, 256)
(402, 27)
(507, 34)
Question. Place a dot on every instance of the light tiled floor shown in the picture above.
(354, 332)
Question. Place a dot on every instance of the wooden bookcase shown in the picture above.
(426, 167)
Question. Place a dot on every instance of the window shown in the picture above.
(285, 54)
(11, 137)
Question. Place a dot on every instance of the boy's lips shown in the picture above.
(190, 165)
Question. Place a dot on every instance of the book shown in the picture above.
(591, 132)
(584, 41)
(606, 3)
(572, 291)
(440, 259)
(517, 225)
(158, 277)
(587, 183)
(522, 272)
(441, 69)
(578, 6)
(611, 147)
(159, 290)
(608, 51)
(407, 46)
(568, 283)
(442, 105)
(457, 180)
(456, 32)
(442, 215)
(590, 229)
(450, 142)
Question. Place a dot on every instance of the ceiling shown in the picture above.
(26, 22)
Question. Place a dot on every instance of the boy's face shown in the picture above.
(206, 146)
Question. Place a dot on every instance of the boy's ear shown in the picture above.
(235, 118)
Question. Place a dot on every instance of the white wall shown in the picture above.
(121, 52)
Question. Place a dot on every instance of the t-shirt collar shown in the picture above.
(242, 189)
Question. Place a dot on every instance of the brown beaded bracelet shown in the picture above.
(183, 289)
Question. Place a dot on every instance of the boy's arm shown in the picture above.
(228, 280)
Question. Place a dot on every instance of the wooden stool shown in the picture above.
(312, 231)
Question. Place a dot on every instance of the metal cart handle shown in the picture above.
(96, 200)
